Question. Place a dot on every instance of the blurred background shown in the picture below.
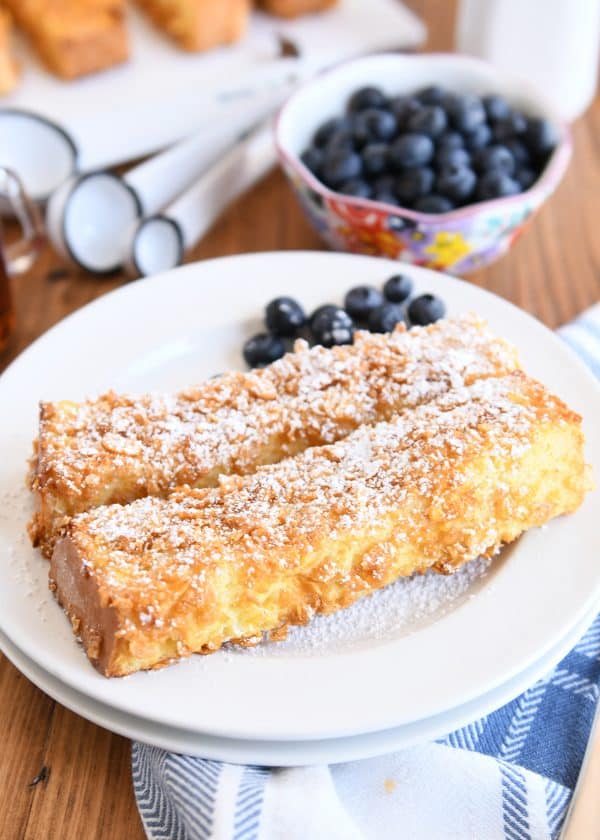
(163, 93)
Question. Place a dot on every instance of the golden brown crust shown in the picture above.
(295, 8)
(99, 627)
(9, 69)
(439, 485)
(199, 25)
(120, 448)
(74, 37)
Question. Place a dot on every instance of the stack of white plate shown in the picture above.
(412, 662)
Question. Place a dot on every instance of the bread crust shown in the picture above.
(74, 37)
(199, 25)
(295, 8)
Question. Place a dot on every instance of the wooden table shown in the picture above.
(553, 272)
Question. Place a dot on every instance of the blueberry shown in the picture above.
(479, 137)
(343, 138)
(385, 125)
(413, 183)
(426, 309)
(526, 177)
(397, 288)
(385, 317)
(456, 183)
(326, 307)
(449, 140)
(465, 111)
(384, 197)
(375, 158)
(515, 124)
(452, 157)
(432, 95)
(262, 349)
(332, 326)
(361, 135)
(284, 316)
(357, 188)
(519, 122)
(367, 97)
(325, 131)
(312, 158)
(496, 184)
(430, 120)
(340, 165)
(541, 137)
(518, 150)
(494, 159)
(361, 301)
(411, 150)
(403, 107)
(496, 107)
(372, 125)
(433, 204)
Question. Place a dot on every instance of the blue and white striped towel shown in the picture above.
(507, 775)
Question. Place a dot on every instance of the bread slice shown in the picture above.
(295, 8)
(74, 37)
(443, 483)
(9, 69)
(120, 448)
(199, 25)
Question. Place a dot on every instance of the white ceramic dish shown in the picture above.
(290, 753)
(190, 323)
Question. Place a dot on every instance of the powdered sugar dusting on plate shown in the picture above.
(23, 563)
(398, 609)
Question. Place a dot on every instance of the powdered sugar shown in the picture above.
(401, 608)
(23, 563)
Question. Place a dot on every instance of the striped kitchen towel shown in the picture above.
(507, 775)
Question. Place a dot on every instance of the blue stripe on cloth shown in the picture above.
(249, 801)
(160, 821)
(557, 800)
(589, 645)
(543, 731)
(515, 813)
(175, 794)
(465, 738)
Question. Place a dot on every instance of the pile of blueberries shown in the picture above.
(365, 307)
(430, 151)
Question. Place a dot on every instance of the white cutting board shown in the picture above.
(163, 93)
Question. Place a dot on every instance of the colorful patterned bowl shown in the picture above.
(457, 242)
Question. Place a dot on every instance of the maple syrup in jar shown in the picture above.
(20, 255)
(7, 315)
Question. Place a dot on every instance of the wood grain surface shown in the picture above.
(553, 271)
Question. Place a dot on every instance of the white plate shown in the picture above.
(290, 753)
(172, 329)
(164, 93)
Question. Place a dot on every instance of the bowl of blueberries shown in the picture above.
(437, 160)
